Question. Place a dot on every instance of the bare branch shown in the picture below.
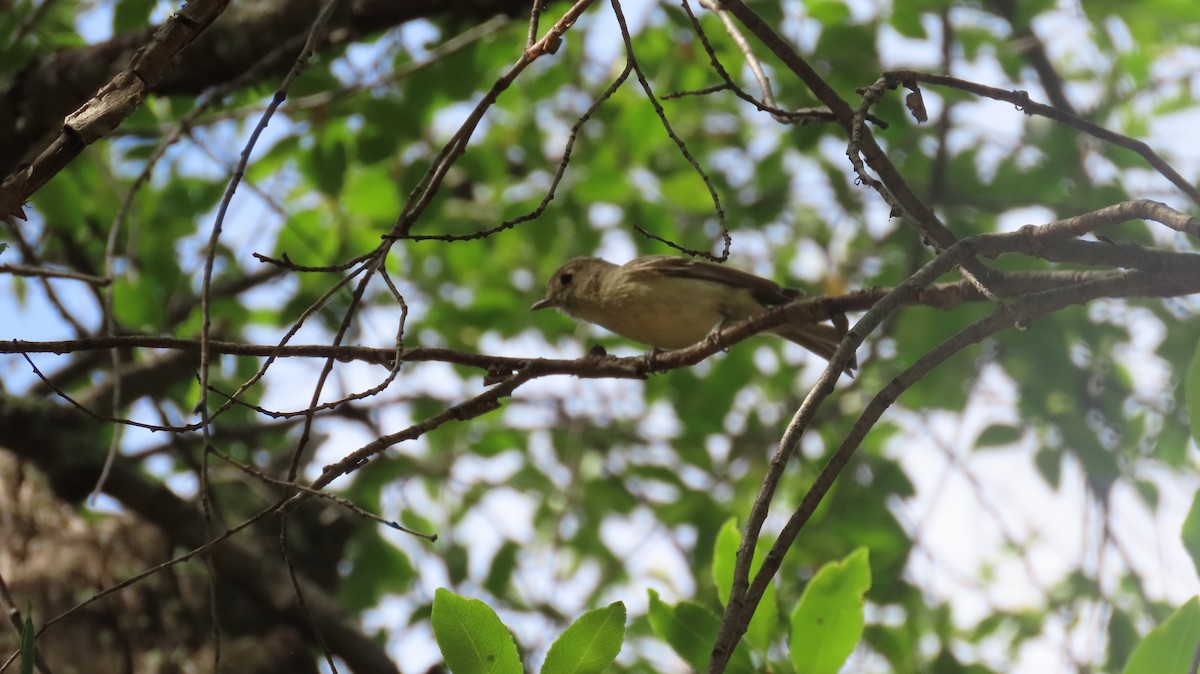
(113, 103)
(1028, 106)
(43, 272)
(1163, 271)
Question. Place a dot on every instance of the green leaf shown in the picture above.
(371, 193)
(1122, 639)
(305, 238)
(456, 560)
(686, 190)
(1191, 393)
(724, 558)
(690, 629)
(691, 638)
(131, 14)
(828, 12)
(1168, 648)
(140, 301)
(766, 616)
(998, 435)
(590, 644)
(378, 569)
(1191, 531)
(28, 637)
(1049, 464)
(906, 19)
(503, 565)
(828, 622)
(471, 637)
(329, 166)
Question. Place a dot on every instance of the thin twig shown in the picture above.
(898, 194)
(315, 35)
(1029, 106)
(1021, 312)
(534, 14)
(30, 22)
(479, 405)
(422, 194)
(345, 503)
(14, 618)
(572, 136)
(752, 61)
(29, 255)
(43, 272)
(1054, 242)
(683, 149)
(799, 116)
(1031, 47)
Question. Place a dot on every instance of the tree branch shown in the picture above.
(1168, 271)
(115, 101)
(63, 444)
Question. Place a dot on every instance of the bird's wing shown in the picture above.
(766, 291)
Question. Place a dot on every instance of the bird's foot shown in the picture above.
(649, 358)
(713, 338)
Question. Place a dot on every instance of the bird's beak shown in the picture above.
(542, 304)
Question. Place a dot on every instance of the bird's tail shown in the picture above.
(820, 338)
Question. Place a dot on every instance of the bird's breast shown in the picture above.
(668, 312)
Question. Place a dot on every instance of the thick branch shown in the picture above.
(942, 296)
(1029, 106)
(112, 104)
(65, 445)
(1020, 312)
(1173, 272)
(932, 227)
(32, 108)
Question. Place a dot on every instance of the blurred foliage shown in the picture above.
(580, 493)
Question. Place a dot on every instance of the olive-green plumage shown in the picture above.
(671, 303)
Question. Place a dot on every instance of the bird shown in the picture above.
(671, 302)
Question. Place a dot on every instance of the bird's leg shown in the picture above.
(648, 359)
(841, 323)
(714, 336)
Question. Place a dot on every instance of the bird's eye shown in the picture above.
(566, 279)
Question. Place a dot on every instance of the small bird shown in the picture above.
(671, 302)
